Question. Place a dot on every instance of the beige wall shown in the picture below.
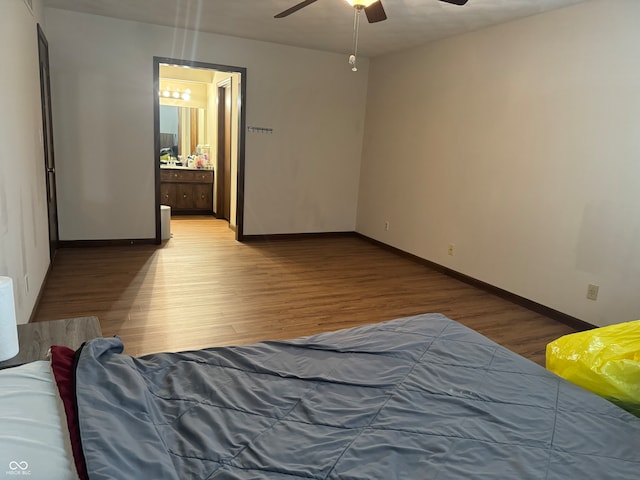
(24, 235)
(303, 178)
(520, 144)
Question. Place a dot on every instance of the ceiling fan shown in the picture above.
(373, 9)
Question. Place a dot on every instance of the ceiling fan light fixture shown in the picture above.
(360, 3)
(373, 10)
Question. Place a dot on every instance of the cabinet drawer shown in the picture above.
(197, 176)
(169, 175)
(186, 176)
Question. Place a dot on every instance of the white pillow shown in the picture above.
(34, 440)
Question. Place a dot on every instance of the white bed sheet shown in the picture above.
(34, 440)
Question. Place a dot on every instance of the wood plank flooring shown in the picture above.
(202, 288)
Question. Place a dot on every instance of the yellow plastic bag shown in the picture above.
(604, 360)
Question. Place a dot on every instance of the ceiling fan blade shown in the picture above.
(375, 12)
(455, 2)
(295, 8)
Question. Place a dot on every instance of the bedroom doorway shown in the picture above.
(206, 141)
(47, 133)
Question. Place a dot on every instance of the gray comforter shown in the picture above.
(415, 398)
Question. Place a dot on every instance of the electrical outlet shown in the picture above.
(452, 249)
(592, 292)
(386, 226)
(26, 284)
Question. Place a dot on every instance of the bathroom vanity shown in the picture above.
(187, 190)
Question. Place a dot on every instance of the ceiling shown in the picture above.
(324, 25)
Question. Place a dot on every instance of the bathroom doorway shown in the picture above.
(206, 141)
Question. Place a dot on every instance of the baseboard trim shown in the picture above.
(296, 236)
(233, 228)
(41, 291)
(106, 243)
(573, 322)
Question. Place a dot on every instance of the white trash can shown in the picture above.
(165, 221)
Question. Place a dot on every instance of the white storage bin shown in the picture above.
(165, 221)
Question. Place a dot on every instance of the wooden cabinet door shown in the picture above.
(203, 196)
(184, 193)
(168, 194)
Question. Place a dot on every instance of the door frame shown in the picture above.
(242, 107)
(221, 131)
(47, 143)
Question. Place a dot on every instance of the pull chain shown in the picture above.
(356, 28)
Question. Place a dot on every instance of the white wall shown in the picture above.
(303, 178)
(24, 235)
(520, 144)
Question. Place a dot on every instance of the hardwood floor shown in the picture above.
(202, 288)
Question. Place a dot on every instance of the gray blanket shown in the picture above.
(415, 398)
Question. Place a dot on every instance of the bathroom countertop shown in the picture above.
(177, 167)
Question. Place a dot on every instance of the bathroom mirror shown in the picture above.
(182, 129)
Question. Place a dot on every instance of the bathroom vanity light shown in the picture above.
(167, 93)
